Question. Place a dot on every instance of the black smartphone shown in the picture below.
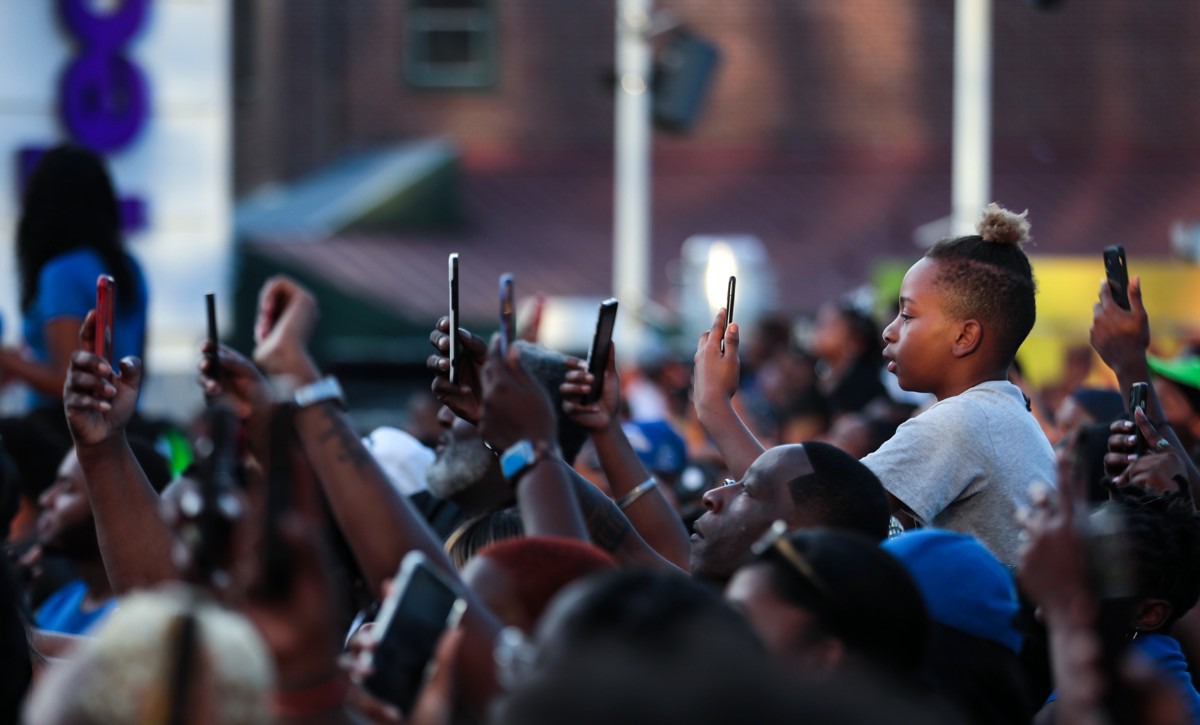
(422, 604)
(508, 326)
(601, 348)
(1118, 274)
(1137, 399)
(214, 358)
(729, 293)
(106, 293)
(454, 362)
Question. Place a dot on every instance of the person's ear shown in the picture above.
(1149, 615)
(969, 338)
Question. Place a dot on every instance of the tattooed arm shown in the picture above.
(610, 528)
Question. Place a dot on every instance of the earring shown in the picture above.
(1135, 634)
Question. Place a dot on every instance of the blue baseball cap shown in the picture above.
(661, 449)
(964, 585)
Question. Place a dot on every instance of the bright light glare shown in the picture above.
(722, 264)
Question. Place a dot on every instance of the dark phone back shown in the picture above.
(601, 348)
(1117, 272)
(407, 644)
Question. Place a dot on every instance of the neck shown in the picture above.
(958, 387)
(95, 578)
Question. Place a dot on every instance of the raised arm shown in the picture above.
(135, 543)
(644, 504)
(1121, 338)
(713, 388)
(515, 409)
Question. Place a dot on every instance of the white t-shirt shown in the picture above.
(966, 463)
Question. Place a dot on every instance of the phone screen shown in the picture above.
(507, 315)
(601, 348)
(1117, 272)
(453, 273)
(106, 291)
(421, 606)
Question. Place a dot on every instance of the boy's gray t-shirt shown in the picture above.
(966, 463)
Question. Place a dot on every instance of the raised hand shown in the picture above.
(287, 315)
(236, 378)
(593, 416)
(1161, 469)
(1120, 336)
(515, 406)
(463, 398)
(717, 371)
(99, 403)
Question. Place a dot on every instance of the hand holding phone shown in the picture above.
(597, 360)
(1117, 272)
(106, 292)
(422, 604)
(508, 327)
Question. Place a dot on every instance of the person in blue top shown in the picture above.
(68, 234)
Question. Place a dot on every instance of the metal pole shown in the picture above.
(631, 213)
(972, 172)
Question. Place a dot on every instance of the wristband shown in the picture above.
(520, 457)
(327, 388)
(641, 490)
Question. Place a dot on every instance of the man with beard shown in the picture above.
(66, 528)
(466, 472)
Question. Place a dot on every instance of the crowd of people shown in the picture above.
(881, 527)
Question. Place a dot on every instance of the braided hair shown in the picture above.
(1163, 535)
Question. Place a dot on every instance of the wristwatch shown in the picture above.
(521, 456)
(327, 388)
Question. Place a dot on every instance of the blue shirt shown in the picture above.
(67, 288)
(63, 610)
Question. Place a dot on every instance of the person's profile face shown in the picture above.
(918, 343)
(739, 512)
(65, 524)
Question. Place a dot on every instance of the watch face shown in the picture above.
(516, 458)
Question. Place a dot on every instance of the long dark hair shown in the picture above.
(70, 204)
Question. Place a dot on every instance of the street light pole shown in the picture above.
(631, 213)
(972, 164)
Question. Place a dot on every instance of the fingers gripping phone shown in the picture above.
(1117, 273)
(508, 327)
(422, 604)
(1137, 399)
(597, 360)
(454, 354)
(729, 293)
(106, 292)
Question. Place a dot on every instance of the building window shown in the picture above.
(451, 43)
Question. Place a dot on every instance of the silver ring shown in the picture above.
(1162, 445)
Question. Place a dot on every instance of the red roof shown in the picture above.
(823, 225)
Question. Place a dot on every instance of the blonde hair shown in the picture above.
(1001, 226)
(120, 675)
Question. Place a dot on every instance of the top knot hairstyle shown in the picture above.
(987, 277)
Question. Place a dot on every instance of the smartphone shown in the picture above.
(597, 359)
(214, 358)
(1137, 399)
(1118, 274)
(729, 293)
(422, 604)
(453, 273)
(508, 327)
(106, 292)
